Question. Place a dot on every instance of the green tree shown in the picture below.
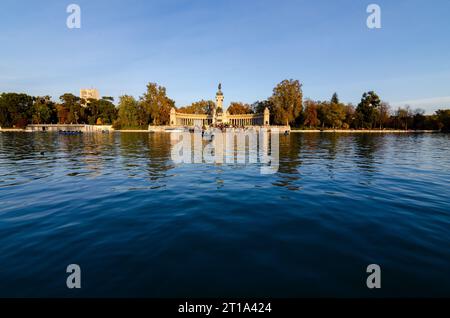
(287, 102)
(102, 109)
(43, 110)
(15, 109)
(332, 115)
(443, 118)
(258, 107)
(157, 105)
(367, 109)
(419, 119)
(128, 113)
(71, 106)
(349, 116)
(335, 99)
(336, 115)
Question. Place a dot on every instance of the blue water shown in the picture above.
(141, 226)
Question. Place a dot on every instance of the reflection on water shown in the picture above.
(369, 149)
(95, 155)
(141, 225)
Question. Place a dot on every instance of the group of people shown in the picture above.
(223, 127)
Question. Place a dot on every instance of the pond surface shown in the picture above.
(139, 224)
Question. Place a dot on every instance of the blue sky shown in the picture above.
(189, 46)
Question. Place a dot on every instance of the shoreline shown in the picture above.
(296, 131)
(367, 131)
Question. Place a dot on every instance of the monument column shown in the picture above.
(219, 103)
(266, 117)
(173, 117)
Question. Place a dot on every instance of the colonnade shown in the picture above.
(193, 121)
(254, 121)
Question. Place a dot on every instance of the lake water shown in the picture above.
(140, 225)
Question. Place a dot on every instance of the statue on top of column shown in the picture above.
(219, 92)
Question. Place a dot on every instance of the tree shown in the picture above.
(287, 101)
(15, 109)
(43, 110)
(335, 99)
(419, 119)
(404, 116)
(239, 109)
(71, 107)
(311, 119)
(383, 114)
(336, 115)
(367, 109)
(102, 109)
(201, 107)
(349, 116)
(157, 105)
(332, 115)
(61, 113)
(443, 118)
(128, 112)
(258, 107)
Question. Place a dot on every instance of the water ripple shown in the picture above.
(141, 225)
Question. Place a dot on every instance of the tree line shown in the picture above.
(18, 110)
(286, 104)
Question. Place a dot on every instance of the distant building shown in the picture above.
(89, 93)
